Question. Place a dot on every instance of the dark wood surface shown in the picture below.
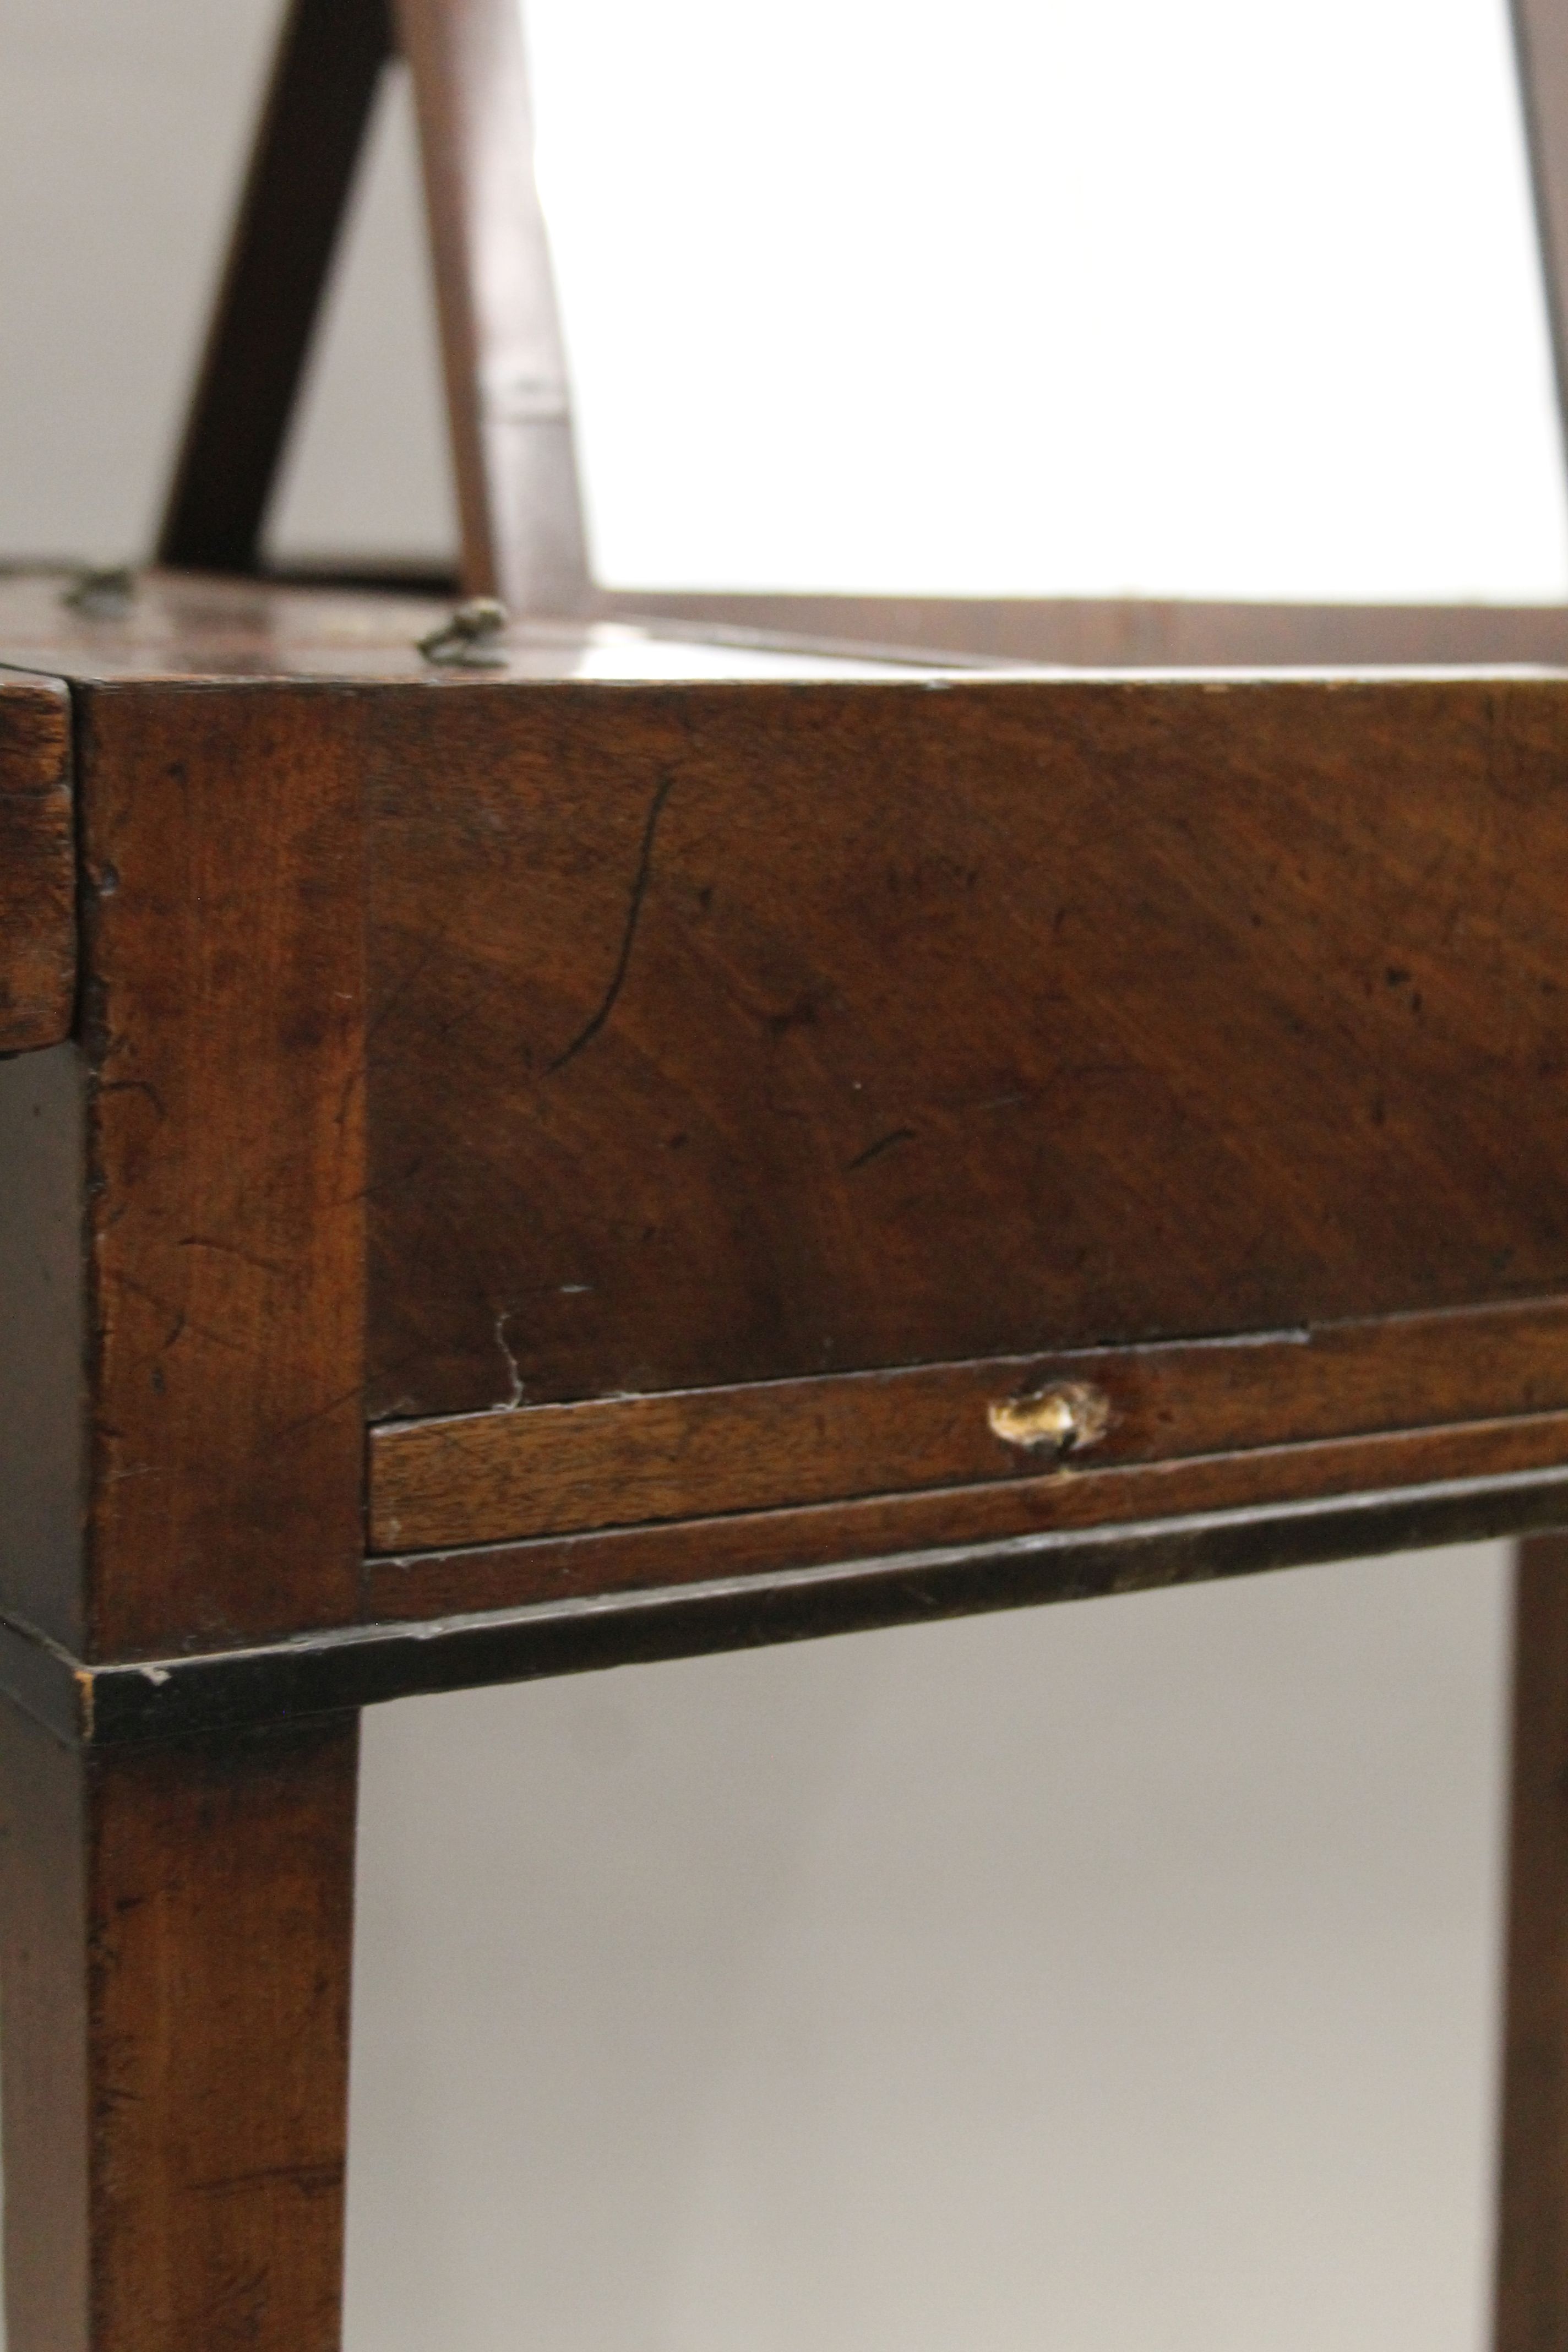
(481, 1478)
(45, 2091)
(43, 1350)
(689, 1028)
(813, 1020)
(311, 130)
(190, 1693)
(757, 1545)
(191, 627)
(196, 625)
(1533, 2243)
(176, 1937)
(222, 1037)
(508, 409)
(788, 1031)
(37, 865)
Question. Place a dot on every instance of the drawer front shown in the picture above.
(731, 1034)
(623, 1462)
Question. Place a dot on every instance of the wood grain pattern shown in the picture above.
(176, 1945)
(1532, 2239)
(792, 1030)
(202, 628)
(196, 1694)
(767, 1545)
(508, 405)
(37, 865)
(224, 1037)
(550, 1469)
(192, 626)
(46, 2097)
(329, 63)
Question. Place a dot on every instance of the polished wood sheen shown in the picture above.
(223, 1051)
(823, 1046)
(675, 1086)
(556, 1034)
(792, 1030)
(187, 628)
(190, 1694)
(484, 1478)
(189, 625)
(176, 1937)
(37, 864)
(764, 1551)
(678, 1091)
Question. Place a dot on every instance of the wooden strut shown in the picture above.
(508, 404)
(308, 143)
(508, 397)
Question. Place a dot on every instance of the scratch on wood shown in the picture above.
(180, 1322)
(310, 2180)
(233, 1249)
(508, 1403)
(318, 1412)
(596, 1021)
(883, 1143)
(134, 1086)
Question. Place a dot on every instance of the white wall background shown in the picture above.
(1117, 1977)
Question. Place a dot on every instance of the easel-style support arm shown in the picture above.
(324, 81)
(508, 398)
(508, 402)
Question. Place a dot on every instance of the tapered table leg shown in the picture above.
(176, 1931)
(1532, 2233)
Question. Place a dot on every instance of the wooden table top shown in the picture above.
(187, 628)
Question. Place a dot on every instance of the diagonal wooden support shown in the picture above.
(508, 400)
(324, 81)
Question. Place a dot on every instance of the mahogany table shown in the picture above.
(667, 1144)
(617, 1137)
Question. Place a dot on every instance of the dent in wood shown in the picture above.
(749, 1550)
(1063, 1418)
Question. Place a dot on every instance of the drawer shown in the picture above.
(536, 1136)
(772, 1086)
(1049, 1422)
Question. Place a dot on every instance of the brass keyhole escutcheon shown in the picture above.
(1062, 1419)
